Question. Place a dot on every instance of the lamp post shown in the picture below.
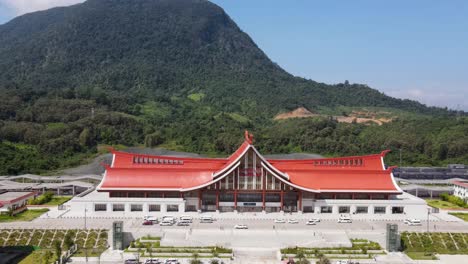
(428, 212)
(85, 210)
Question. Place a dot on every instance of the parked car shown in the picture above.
(311, 222)
(147, 222)
(241, 227)
(153, 261)
(131, 261)
(166, 223)
(182, 223)
(172, 261)
(345, 219)
(315, 219)
(414, 222)
(406, 221)
(280, 221)
(293, 221)
(186, 218)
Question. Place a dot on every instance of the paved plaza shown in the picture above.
(257, 244)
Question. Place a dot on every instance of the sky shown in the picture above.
(414, 49)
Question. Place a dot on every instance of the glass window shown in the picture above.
(136, 194)
(100, 207)
(379, 210)
(118, 207)
(397, 210)
(343, 209)
(344, 196)
(362, 210)
(136, 207)
(172, 207)
(326, 209)
(154, 208)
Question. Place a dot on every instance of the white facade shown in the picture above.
(101, 205)
(461, 190)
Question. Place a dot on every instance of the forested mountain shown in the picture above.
(181, 74)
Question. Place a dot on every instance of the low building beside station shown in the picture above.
(14, 202)
(460, 189)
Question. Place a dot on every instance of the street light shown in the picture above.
(428, 213)
(85, 210)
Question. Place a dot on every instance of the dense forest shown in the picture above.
(180, 74)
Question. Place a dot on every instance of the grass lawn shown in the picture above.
(421, 255)
(58, 200)
(27, 215)
(35, 257)
(442, 204)
(463, 216)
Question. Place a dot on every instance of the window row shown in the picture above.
(116, 207)
(339, 162)
(148, 160)
(361, 209)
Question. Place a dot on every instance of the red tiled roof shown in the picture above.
(461, 183)
(362, 173)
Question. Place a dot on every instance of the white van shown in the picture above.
(414, 222)
(206, 219)
(344, 219)
(186, 219)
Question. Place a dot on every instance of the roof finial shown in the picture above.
(248, 137)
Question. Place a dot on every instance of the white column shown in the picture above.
(163, 208)
(145, 208)
(109, 207)
(335, 209)
(317, 209)
(181, 207)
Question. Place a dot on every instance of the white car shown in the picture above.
(344, 220)
(414, 222)
(241, 227)
(314, 219)
(166, 223)
(280, 221)
(311, 222)
(293, 221)
(406, 221)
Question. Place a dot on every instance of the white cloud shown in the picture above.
(434, 97)
(26, 6)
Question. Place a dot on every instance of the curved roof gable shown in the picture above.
(130, 171)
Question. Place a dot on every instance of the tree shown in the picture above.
(149, 249)
(58, 249)
(46, 258)
(153, 139)
(214, 261)
(322, 259)
(302, 259)
(195, 259)
(68, 241)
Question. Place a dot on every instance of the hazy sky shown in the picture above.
(414, 49)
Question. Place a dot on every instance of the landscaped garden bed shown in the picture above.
(43, 241)
(426, 245)
(151, 247)
(360, 249)
(463, 216)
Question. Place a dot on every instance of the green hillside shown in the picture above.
(180, 74)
